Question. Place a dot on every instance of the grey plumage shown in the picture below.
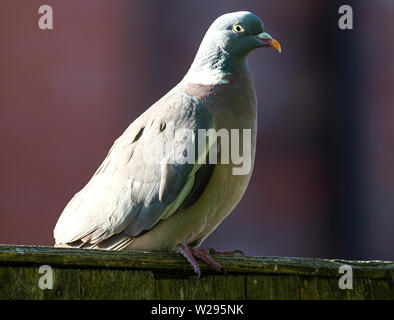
(127, 193)
(133, 204)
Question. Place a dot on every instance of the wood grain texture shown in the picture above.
(21, 283)
(116, 284)
(210, 287)
(97, 274)
(268, 287)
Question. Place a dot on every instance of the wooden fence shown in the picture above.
(97, 274)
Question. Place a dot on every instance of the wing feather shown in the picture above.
(136, 185)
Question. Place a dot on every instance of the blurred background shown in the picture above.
(323, 183)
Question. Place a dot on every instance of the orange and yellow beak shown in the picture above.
(267, 40)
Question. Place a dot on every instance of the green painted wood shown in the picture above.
(321, 288)
(66, 285)
(313, 288)
(223, 287)
(19, 283)
(116, 284)
(97, 274)
(22, 283)
(173, 262)
(268, 287)
(381, 289)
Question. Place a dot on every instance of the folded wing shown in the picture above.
(143, 179)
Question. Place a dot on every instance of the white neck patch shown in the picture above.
(206, 76)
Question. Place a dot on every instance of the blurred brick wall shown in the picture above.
(67, 94)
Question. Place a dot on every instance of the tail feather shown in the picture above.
(116, 242)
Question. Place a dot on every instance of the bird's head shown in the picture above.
(225, 46)
(238, 33)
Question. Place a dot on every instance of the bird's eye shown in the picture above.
(237, 28)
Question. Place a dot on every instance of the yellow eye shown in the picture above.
(237, 28)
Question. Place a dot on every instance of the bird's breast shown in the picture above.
(233, 106)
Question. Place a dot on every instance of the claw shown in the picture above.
(184, 250)
(189, 253)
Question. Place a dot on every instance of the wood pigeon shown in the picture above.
(143, 199)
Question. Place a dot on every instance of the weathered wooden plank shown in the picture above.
(324, 288)
(171, 262)
(96, 274)
(381, 289)
(272, 287)
(116, 284)
(66, 285)
(207, 288)
(22, 283)
(19, 283)
(321, 288)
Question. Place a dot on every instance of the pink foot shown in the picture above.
(190, 253)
